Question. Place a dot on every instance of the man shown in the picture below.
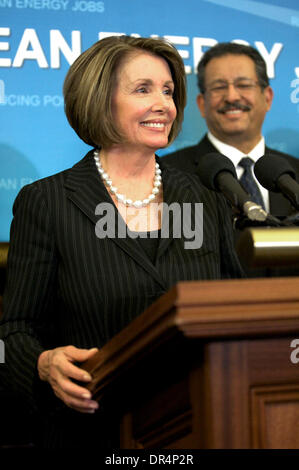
(234, 99)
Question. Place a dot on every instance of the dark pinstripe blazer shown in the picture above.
(66, 286)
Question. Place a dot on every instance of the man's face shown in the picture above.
(234, 113)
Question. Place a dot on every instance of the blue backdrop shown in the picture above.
(39, 39)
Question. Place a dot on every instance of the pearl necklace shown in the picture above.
(120, 197)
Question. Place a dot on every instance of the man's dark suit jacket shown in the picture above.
(67, 286)
(187, 160)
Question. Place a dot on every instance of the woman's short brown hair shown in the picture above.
(91, 79)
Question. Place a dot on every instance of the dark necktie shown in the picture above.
(248, 182)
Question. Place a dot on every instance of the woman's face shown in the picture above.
(143, 106)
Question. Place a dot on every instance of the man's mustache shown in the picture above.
(233, 106)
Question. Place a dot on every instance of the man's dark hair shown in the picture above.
(225, 48)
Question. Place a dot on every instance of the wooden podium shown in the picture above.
(207, 366)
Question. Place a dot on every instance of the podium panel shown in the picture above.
(207, 366)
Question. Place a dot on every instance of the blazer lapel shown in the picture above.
(174, 192)
(86, 190)
(204, 147)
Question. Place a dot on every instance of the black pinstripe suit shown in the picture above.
(66, 286)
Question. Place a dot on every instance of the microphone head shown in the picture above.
(269, 168)
(210, 165)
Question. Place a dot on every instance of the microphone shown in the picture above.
(276, 174)
(218, 173)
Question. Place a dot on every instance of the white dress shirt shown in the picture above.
(236, 155)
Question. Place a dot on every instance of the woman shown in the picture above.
(70, 288)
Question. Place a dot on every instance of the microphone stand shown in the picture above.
(241, 222)
(292, 220)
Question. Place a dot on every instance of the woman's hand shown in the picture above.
(56, 367)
